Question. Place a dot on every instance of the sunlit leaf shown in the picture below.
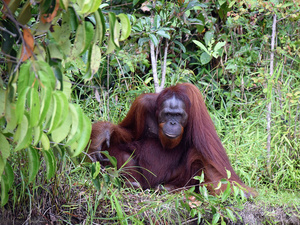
(84, 137)
(125, 26)
(95, 58)
(50, 164)
(4, 147)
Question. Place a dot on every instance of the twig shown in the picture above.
(269, 105)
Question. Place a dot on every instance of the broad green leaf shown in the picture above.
(60, 110)
(201, 46)
(208, 37)
(37, 133)
(65, 28)
(61, 132)
(100, 27)
(111, 47)
(96, 180)
(114, 29)
(112, 159)
(50, 164)
(163, 33)
(46, 94)
(34, 106)
(125, 25)
(183, 49)
(24, 76)
(23, 134)
(20, 105)
(226, 193)
(25, 14)
(9, 175)
(45, 141)
(4, 147)
(89, 34)
(95, 58)
(77, 123)
(84, 136)
(4, 193)
(95, 5)
(205, 58)
(228, 174)
(153, 39)
(46, 75)
(65, 4)
(79, 43)
(33, 163)
(10, 116)
(230, 214)
(2, 166)
(215, 219)
(97, 167)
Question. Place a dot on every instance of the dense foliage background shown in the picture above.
(66, 63)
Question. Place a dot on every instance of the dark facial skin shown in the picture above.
(173, 117)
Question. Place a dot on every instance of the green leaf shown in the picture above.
(95, 5)
(25, 14)
(4, 147)
(33, 163)
(9, 175)
(230, 215)
(84, 136)
(77, 123)
(201, 46)
(46, 75)
(45, 103)
(112, 159)
(20, 105)
(216, 218)
(226, 193)
(23, 134)
(89, 34)
(24, 76)
(219, 45)
(205, 58)
(163, 33)
(114, 29)
(65, 4)
(153, 39)
(95, 58)
(34, 106)
(97, 168)
(4, 193)
(45, 141)
(60, 110)
(50, 164)
(183, 49)
(2, 102)
(100, 27)
(96, 181)
(61, 132)
(208, 37)
(2, 166)
(125, 25)
(37, 133)
(10, 116)
(79, 42)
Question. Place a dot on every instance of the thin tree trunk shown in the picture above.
(269, 105)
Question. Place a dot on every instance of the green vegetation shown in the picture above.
(66, 63)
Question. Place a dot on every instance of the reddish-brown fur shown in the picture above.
(153, 163)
